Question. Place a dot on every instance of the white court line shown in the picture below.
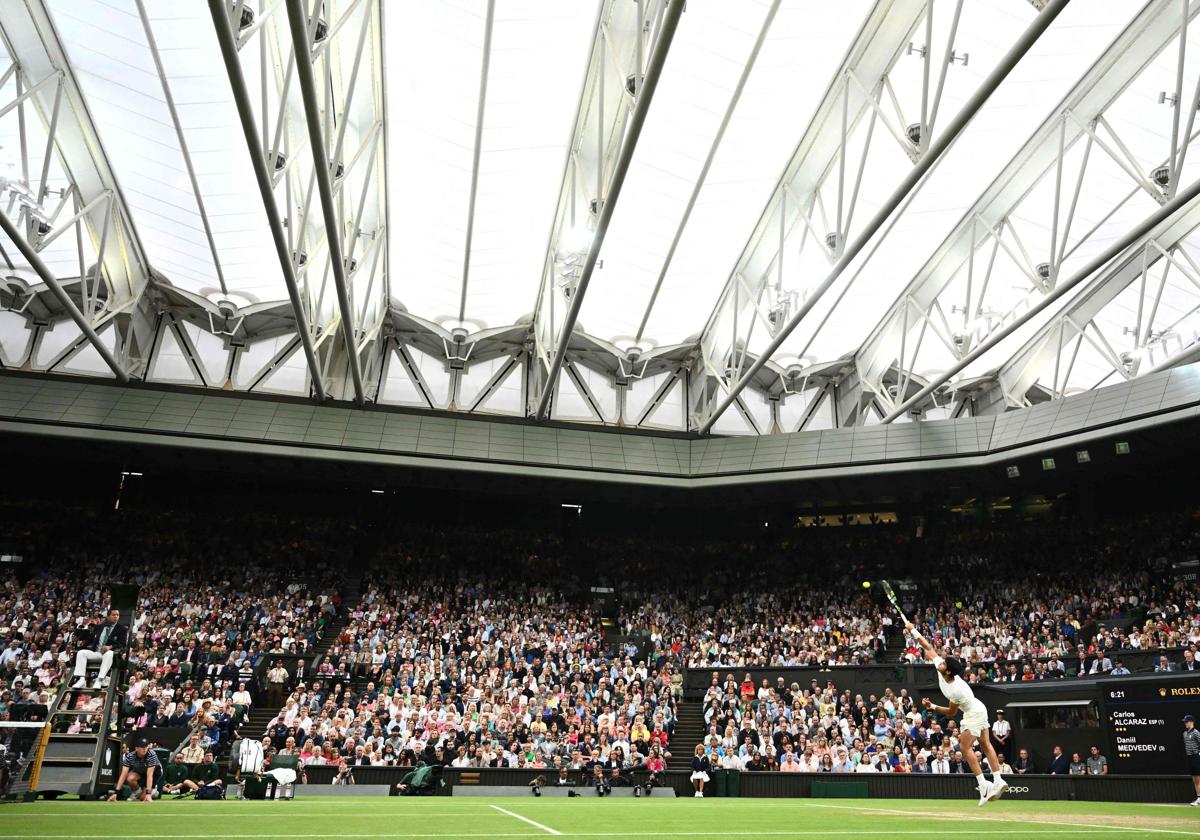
(969, 818)
(273, 814)
(544, 828)
(923, 832)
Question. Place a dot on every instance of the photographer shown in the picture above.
(599, 782)
(344, 775)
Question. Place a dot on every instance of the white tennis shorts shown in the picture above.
(975, 718)
(701, 775)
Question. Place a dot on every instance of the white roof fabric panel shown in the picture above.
(111, 54)
(432, 86)
(539, 52)
(802, 48)
(707, 55)
(538, 60)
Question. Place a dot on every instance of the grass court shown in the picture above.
(587, 817)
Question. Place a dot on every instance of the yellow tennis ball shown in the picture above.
(866, 584)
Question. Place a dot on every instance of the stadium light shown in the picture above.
(1048, 464)
(1013, 471)
(1082, 456)
(1122, 447)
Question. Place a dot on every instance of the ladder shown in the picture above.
(83, 762)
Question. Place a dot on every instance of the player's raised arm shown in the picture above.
(930, 653)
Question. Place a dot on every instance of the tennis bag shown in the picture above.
(213, 792)
(253, 787)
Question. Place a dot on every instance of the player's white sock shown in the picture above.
(982, 781)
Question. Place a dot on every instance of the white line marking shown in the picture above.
(273, 814)
(544, 828)
(798, 833)
(970, 818)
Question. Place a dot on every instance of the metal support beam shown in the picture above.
(302, 44)
(645, 95)
(708, 161)
(756, 290)
(960, 277)
(926, 162)
(44, 74)
(1181, 201)
(241, 98)
(480, 110)
(47, 277)
(1047, 347)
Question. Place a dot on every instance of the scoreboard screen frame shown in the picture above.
(1143, 717)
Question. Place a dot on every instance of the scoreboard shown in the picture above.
(1144, 721)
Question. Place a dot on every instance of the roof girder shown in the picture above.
(607, 125)
(931, 299)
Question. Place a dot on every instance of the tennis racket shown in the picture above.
(891, 596)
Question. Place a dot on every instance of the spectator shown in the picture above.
(242, 697)
(1024, 763)
(1059, 764)
(1164, 665)
(1101, 665)
(193, 753)
(1078, 768)
(1120, 670)
(1189, 661)
(11, 655)
(1097, 765)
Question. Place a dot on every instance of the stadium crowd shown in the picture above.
(491, 673)
(207, 611)
(481, 647)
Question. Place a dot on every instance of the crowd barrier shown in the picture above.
(829, 785)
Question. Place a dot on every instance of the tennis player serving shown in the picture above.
(975, 717)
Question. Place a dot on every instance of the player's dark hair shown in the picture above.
(955, 666)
